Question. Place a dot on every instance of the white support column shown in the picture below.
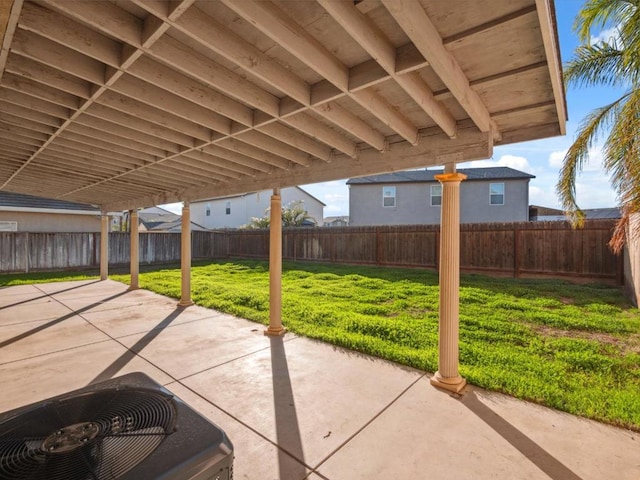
(104, 246)
(275, 266)
(185, 257)
(134, 267)
(447, 376)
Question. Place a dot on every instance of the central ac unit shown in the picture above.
(127, 428)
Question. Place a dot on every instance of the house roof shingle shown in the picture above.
(17, 201)
(414, 176)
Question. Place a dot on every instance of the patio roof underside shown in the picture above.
(126, 104)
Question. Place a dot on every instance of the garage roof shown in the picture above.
(126, 104)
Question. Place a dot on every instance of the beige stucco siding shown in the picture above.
(49, 222)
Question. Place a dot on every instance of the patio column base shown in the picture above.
(132, 288)
(275, 332)
(188, 303)
(453, 384)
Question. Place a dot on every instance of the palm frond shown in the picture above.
(578, 155)
(601, 64)
(601, 13)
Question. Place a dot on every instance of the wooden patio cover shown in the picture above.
(130, 103)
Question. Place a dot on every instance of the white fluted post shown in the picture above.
(447, 376)
(104, 246)
(134, 257)
(185, 257)
(275, 266)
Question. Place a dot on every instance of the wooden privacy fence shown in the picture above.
(515, 249)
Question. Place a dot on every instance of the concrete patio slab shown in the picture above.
(80, 288)
(590, 449)
(199, 345)
(29, 308)
(437, 437)
(121, 320)
(45, 376)
(24, 340)
(18, 290)
(293, 407)
(261, 459)
(304, 395)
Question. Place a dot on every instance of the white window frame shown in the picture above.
(432, 195)
(388, 189)
(207, 210)
(491, 194)
(227, 208)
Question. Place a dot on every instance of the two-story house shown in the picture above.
(237, 211)
(492, 194)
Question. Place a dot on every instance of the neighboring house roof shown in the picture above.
(251, 193)
(156, 219)
(602, 213)
(415, 176)
(341, 218)
(28, 203)
(590, 214)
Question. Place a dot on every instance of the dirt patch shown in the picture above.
(631, 344)
(567, 300)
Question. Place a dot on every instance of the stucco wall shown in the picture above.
(52, 222)
(413, 204)
(244, 208)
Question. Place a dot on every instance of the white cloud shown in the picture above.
(607, 35)
(556, 158)
(512, 161)
(334, 194)
(333, 211)
(544, 196)
(334, 197)
(173, 207)
(594, 164)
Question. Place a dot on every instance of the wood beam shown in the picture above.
(412, 18)
(371, 38)
(276, 24)
(434, 149)
(9, 14)
(546, 17)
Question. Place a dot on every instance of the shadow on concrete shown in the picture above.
(136, 348)
(55, 321)
(542, 459)
(47, 295)
(288, 435)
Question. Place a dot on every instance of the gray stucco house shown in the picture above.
(492, 194)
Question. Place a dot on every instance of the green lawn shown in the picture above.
(572, 347)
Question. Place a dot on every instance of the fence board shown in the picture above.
(516, 249)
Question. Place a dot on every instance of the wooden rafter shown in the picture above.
(157, 101)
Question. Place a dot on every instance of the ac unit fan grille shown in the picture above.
(94, 436)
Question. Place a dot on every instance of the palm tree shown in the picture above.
(293, 215)
(615, 62)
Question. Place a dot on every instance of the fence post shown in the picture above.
(378, 247)
(26, 252)
(516, 252)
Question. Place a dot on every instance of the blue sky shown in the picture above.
(541, 158)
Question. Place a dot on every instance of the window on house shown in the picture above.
(388, 196)
(227, 208)
(496, 193)
(207, 210)
(436, 195)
